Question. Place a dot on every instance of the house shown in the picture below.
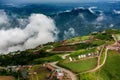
(115, 46)
(48, 66)
(60, 75)
(70, 59)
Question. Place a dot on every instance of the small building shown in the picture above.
(60, 75)
(48, 66)
(79, 56)
(89, 54)
(115, 46)
(70, 59)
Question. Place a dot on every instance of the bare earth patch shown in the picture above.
(6, 78)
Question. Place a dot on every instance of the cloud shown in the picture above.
(116, 12)
(100, 18)
(82, 16)
(40, 29)
(3, 18)
(70, 33)
(111, 25)
(91, 9)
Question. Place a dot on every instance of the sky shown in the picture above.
(48, 1)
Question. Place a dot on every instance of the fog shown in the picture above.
(40, 29)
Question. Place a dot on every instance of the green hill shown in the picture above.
(110, 70)
(87, 53)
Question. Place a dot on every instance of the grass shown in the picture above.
(104, 36)
(102, 56)
(47, 59)
(110, 42)
(74, 40)
(118, 36)
(98, 43)
(110, 70)
(94, 43)
(85, 38)
(41, 73)
(78, 39)
(79, 66)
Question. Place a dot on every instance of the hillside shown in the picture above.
(110, 71)
(91, 57)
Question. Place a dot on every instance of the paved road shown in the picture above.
(99, 57)
(106, 52)
(102, 62)
(71, 74)
(64, 56)
(115, 39)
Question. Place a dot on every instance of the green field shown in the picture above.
(118, 36)
(79, 66)
(47, 59)
(78, 39)
(83, 38)
(74, 39)
(110, 71)
(41, 73)
(102, 56)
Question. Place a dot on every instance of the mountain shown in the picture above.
(85, 20)
(68, 20)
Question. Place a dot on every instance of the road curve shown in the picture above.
(71, 74)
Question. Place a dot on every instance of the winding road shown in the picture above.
(64, 56)
(71, 74)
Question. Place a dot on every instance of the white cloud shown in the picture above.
(91, 9)
(100, 18)
(111, 25)
(22, 22)
(41, 29)
(116, 12)
(82, 16)
(70, 33)
(3, 18)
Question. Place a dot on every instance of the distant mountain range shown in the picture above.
(82, 17)
(86, 20)
(64, 21)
